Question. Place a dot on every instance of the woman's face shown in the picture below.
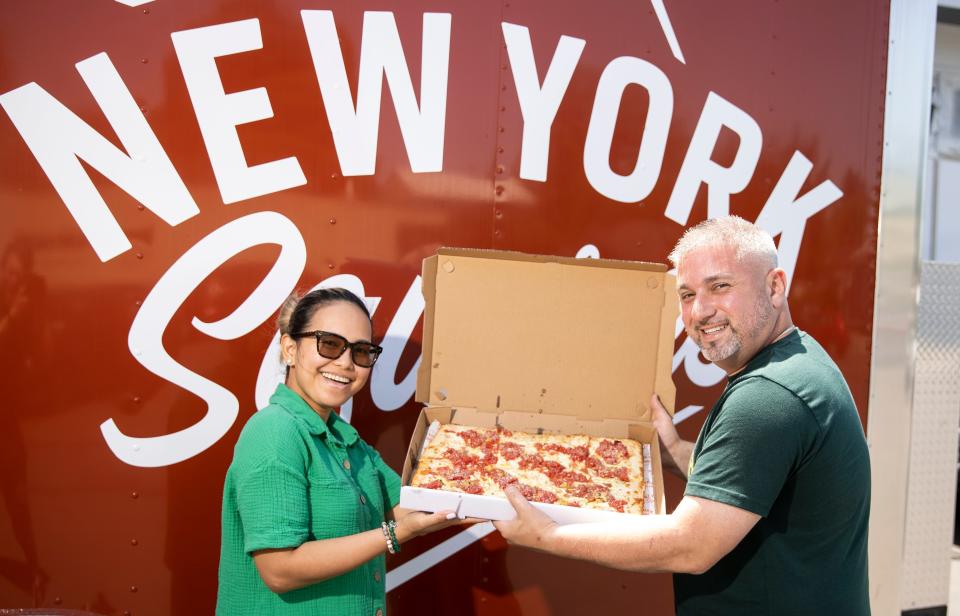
(327, 383)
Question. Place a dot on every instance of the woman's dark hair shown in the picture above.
(297, 311)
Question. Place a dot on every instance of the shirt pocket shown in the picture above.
(372, 488)
(335, 507)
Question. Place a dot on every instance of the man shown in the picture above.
(774, 517)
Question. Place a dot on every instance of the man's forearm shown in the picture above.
(654, 543)
(676, 458)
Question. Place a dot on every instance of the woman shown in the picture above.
(309, 509)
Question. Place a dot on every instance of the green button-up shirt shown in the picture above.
(294, 479)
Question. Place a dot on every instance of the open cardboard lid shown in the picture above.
(508, 331)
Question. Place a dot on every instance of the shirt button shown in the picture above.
(346, 464)
(379, 612)
(363, 499)
(376, 576)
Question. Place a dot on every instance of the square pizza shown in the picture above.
(575, 470)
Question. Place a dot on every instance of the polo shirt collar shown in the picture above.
(285, 397)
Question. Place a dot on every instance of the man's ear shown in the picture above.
(777, 286)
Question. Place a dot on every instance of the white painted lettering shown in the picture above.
(387, 394)
(59, 140)
(539, 104)
(698, 167)
(174, 287)
(218, 113)
(786, 212)
(355, 130)
(620, 73)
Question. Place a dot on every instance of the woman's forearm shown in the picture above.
(287, 569)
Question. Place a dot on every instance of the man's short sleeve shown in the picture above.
(757, 439)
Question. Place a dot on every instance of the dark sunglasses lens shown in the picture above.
(330, 346)
(365, 355)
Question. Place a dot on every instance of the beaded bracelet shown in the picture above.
(390, 535)
(392, 529)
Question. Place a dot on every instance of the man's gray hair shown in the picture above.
(748, 239)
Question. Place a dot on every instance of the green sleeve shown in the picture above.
(271, 485)
(759, 437)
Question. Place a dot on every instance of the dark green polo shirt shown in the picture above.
(785, 442)
(294, 479)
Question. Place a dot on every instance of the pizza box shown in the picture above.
(541, 344)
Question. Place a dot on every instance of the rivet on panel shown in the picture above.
(146, 11)
(137, 302)
(333, 176)
(144, 60)
(141, 207)
(504, 88)
(136, 399)
(498, 213)
(126, 613)
(500, 150)
(134, 495)
(329, 265)
(500, 169)
(503, 130)
(333, 221)
(57, 600)
(498, 190)
(134, 542)
(139, 255)
(133, 589)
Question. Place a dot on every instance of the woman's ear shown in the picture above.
(288, 349)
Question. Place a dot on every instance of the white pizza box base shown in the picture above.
(495, 508)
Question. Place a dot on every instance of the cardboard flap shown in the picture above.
(579, 337)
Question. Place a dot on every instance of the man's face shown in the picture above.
(726, 305)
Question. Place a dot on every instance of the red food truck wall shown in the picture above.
(161, 161)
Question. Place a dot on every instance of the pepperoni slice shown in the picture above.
(471, 438)
(590, 491)
(616, 503)
(566, 478)
(510, 451)
(531, 461)
(612, 451)
(538, 495)
(578, 453)
(436, 484)
(471, 487)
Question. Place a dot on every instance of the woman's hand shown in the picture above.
(411, 523)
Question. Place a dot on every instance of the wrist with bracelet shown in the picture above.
(389, 529)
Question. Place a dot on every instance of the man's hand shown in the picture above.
(531, 528)
(663, 421)
(676, 451)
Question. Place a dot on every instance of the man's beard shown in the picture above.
(728, 348)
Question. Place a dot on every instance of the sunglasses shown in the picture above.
(332, 346)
